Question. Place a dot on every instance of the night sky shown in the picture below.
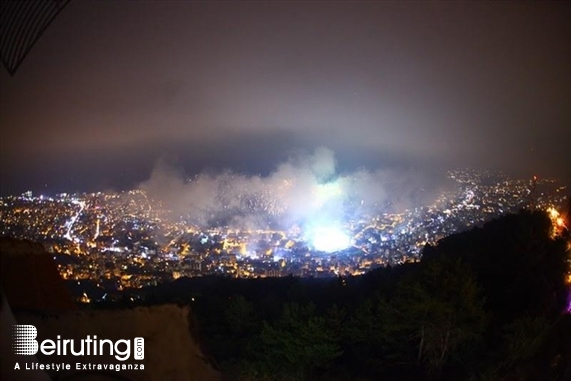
(113, 87)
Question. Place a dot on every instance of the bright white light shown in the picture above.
(330, 239)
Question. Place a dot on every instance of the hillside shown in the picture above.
(486, 304)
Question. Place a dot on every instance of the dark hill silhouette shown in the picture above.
(30, 279)
(519, 265)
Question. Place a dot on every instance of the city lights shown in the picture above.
(130, 237)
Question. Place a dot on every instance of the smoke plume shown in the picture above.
(306, 187)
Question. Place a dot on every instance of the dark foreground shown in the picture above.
(487, 304)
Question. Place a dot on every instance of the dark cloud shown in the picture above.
(111, 87)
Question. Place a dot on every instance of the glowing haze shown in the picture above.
(306, 191)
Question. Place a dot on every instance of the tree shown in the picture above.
(369, 345)
(239, 314)
(442, 311)
(295, 346)
(524, 337)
